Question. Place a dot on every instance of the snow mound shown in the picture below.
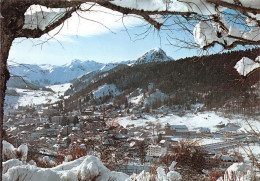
(10, 163)
(92, 168)
(10, 152)
(67, 158)
(174, 176)
(171, 168)
(161, 175)
(84, 168)
(240, 171)
(30, 173)
(24, 150)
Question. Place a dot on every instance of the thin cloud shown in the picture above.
(97, 20)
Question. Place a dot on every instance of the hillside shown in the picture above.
(209, 80)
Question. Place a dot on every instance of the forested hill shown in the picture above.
(210, 80)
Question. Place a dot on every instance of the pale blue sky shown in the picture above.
(86, 40)
(106, 47)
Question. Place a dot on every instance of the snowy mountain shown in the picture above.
(151, 56)
(154, 55)
(45, 74)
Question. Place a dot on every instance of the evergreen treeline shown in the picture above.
(211, 80)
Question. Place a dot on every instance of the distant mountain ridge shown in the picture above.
(46, 74)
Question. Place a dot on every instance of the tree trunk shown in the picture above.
(11, 24)
(6, 42)
(4, 73)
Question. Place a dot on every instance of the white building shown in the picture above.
(156, 151)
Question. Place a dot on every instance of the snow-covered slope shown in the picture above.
(105, 90)
(154, 55)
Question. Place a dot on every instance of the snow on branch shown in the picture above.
(180, 6)
(205, 35)
(245, 66)
(209, 15)
(207, 32)
(42, 20)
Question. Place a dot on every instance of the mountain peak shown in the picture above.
(153, 55)
(82, 63)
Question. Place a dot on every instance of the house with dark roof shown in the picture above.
(176, 129)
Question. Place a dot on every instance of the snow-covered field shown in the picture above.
(204, 119)
(60, 88)
(35, 97)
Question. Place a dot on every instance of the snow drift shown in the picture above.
(10, 152)
(85, 168)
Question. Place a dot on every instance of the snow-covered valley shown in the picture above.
(131, 121)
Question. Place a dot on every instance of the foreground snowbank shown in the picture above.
(241, 172)
(10, 152)
(89, 168)
(85, 168)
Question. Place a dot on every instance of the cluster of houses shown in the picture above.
(132, 149)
